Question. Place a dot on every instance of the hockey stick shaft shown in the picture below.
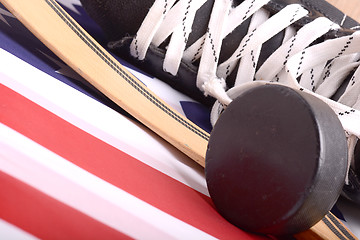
(58, 31)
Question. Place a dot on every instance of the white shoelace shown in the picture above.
(321, 68)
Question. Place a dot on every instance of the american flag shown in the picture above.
(74, 166)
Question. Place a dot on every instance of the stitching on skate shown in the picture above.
(290, 49)
(328, 71)
(300, 63)
(212, 45)
(312, 80)
(136, 48)
(134, 83)
(347, 112)
(227, 70)
(296, 12)
(165, 7)
(247, 12)
(253, 59)
(352, 81)
(246, 43)
(277, 78)
(184, 20)
(198, 51)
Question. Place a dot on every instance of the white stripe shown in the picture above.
(343, 20)
(100, 121)
(44, 170)
(11, 232)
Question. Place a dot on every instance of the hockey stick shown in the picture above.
(54, 27)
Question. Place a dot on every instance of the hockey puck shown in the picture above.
(276, 160)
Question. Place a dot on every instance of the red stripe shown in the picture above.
(114, 166)
(45, 217)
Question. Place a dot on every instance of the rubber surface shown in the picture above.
(276, 161)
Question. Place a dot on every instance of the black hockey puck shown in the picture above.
(276, 160)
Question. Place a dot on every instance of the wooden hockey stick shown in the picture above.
(55, 28)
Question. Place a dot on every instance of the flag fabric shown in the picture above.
(73, 165)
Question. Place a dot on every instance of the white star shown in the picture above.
(4, 12)
(70, 4)
(64, 69)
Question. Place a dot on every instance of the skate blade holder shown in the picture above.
(276, 160)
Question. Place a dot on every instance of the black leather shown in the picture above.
(120, 21)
